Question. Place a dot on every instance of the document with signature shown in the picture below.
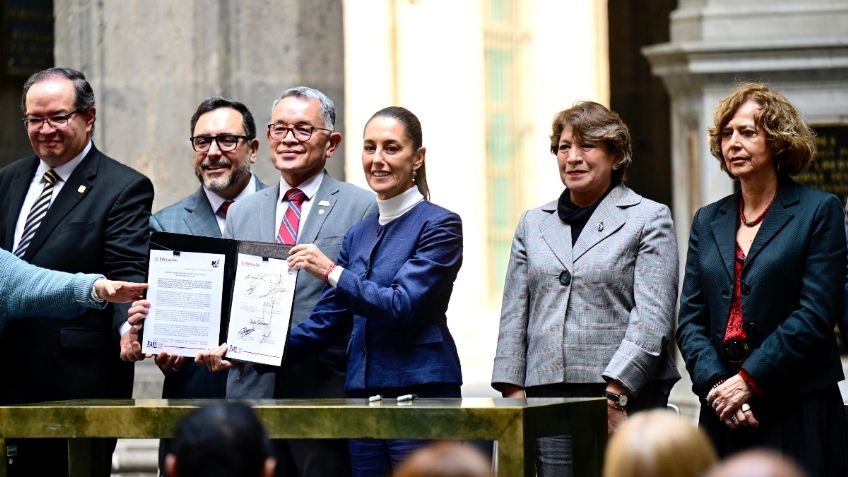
(260, 310)
(206, 291)
(186, 292)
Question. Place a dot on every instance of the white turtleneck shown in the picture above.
(390, 209)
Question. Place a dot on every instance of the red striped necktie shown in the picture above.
(291, 219)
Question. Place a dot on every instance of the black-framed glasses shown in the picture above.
(226, 142)
(301, 132)
(57, 121)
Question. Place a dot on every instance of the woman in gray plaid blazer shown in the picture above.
(591, 287)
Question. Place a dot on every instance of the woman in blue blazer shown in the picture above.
(392, 284)
(762, 291)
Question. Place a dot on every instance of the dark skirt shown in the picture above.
(811, 428)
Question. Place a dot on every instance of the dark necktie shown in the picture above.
(223, 208)
(291, 219)
(37, 212)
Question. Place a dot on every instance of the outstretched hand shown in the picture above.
(118, 291)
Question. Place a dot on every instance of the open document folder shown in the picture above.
(206, 291)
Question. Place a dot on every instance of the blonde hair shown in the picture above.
(445, 459)
(658, 443)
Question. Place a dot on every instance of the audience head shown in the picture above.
(790, 142)
(445, 459)
(220, 440)
(393, 153)
(658, 443)
(59, 114)
(223, 136)
(301, 135)
(757, 463)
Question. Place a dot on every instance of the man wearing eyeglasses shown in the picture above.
(307, 206)
(71, 208)
(223, 138)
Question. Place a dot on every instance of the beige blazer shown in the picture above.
(602, 308)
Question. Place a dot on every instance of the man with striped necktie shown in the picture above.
(70, 208)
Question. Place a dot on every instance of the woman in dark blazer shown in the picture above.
(392, 283)
(763, 290)
(591, 287)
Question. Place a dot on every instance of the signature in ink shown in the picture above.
(245, 331)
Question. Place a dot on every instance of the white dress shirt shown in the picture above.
(216, 200)
(37, 185)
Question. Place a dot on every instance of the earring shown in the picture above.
(414, 174)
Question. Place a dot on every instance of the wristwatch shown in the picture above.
(619, 399)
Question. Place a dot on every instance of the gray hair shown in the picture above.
(328, 108)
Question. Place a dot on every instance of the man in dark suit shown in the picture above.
(223, 136)
(71, 208)
(302, 138)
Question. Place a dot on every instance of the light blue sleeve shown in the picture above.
(27, 290)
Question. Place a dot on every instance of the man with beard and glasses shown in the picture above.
(223, 136)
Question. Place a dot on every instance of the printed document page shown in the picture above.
(261, 309)
(185, 295)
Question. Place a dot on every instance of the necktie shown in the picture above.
(37, 212)
(223, 208)
(291, 219)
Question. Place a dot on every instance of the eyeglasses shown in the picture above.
(57, 121)
(226, 142)
(301, 132)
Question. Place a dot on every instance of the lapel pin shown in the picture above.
(81, 189)
(320, 211)
(601, 227)
(323, 203)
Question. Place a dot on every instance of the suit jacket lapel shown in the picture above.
(557, 235)
(16, 194)
(323, 202)
(777, 217)
(78, 186)
(606, 219)
(268, 214)
(724, 233)
(199, 217)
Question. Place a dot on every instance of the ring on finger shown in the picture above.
(734, 420)
(746, 407)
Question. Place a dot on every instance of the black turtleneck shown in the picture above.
(574, 215)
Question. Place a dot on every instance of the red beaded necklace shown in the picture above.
(759, 218)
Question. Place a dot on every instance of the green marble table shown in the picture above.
(513, 423)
